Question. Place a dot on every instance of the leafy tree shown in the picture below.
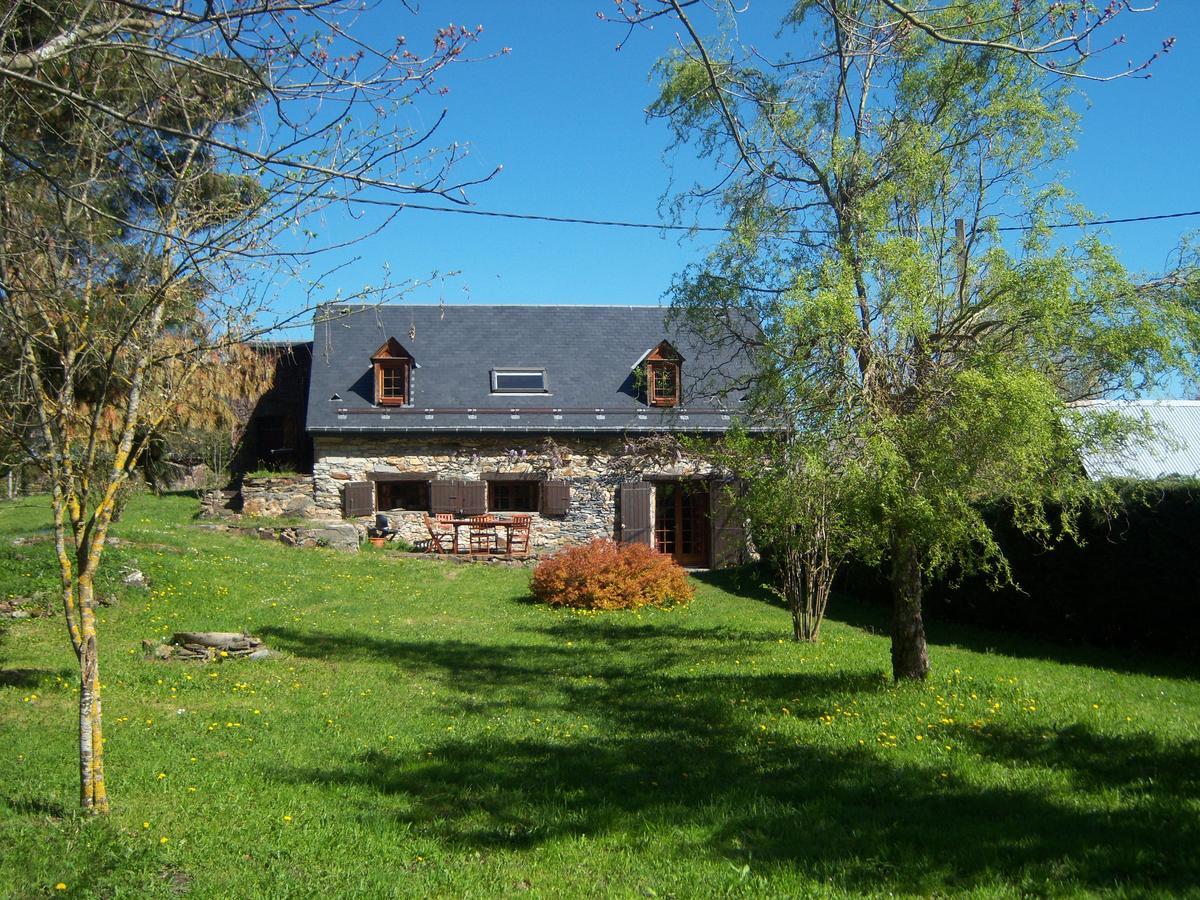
(158, 167)
(806, 505)
(864, 172)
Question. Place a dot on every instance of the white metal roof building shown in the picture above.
(1174, 451)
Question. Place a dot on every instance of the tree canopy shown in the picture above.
(893, 230)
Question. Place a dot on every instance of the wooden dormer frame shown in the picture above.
(664, 371)
(392, 365)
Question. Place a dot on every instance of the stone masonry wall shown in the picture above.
(282, 496)
(594, 467)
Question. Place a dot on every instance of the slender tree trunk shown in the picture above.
(93, 795)
(910, 657)
(791, 576)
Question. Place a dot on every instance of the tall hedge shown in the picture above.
(1134, 582)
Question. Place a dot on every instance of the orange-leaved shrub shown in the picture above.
(606, 575)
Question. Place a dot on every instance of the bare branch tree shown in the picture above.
(160, 167)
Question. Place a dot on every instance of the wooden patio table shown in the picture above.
(489, 522)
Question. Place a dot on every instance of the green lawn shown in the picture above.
(426, 730)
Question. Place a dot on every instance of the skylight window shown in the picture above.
(519, 381)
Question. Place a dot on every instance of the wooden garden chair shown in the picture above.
(483, 534)
(438, 534)
(518, 535)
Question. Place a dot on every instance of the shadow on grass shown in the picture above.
(672, 760)
(31, 678)
(874, 618)
(743, 581)
(1136, 766)
(35, 806)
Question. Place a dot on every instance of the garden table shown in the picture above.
(482, 522)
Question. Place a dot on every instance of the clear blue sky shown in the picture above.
(563, 112)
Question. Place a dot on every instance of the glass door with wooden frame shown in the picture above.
(681, 522)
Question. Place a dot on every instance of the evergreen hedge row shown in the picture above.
(1133, 583)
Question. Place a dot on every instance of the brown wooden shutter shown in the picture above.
(728, 525)
(556, 498)
(443, 496)
(473, 497)
(635, 512)
(358, 499)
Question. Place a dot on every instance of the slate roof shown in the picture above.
(1173, 451)
(589, 354)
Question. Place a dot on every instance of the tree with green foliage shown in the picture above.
(868, 173)
(160, 167)
(805, 505)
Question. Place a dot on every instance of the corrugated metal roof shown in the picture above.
(1173, 451)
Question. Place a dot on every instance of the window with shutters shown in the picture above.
(459, 498)
(513, 496)
(393, 374)
(663, 373)
(409, 495)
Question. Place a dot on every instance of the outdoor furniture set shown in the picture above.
(484, 536)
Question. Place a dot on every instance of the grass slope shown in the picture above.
(425, 730)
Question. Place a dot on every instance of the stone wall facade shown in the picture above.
(282, 496)
(593, 466)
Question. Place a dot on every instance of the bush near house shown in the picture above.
(603, 574)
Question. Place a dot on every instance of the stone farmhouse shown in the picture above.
(546, 410)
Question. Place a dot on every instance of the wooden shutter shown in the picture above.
(556, 498)
(473, 497)
(443, 496)
(358, 499)
(635, 512)
(728, 525)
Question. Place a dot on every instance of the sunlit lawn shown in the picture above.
(426, 730)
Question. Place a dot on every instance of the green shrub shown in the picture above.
(606, 575)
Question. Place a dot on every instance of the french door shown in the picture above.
(681, 521)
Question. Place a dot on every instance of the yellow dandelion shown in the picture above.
(60, 887)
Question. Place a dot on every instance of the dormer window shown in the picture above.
(393, 374)
(663, 372)
(664, 383)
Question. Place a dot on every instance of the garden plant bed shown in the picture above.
(423, 730)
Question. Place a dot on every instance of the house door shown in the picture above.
(681, 521)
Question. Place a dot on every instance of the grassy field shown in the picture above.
(426, 730)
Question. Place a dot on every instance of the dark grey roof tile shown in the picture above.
(587, 351)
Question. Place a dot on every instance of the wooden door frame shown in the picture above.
(701, 488)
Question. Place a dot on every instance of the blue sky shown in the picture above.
(563, 113)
